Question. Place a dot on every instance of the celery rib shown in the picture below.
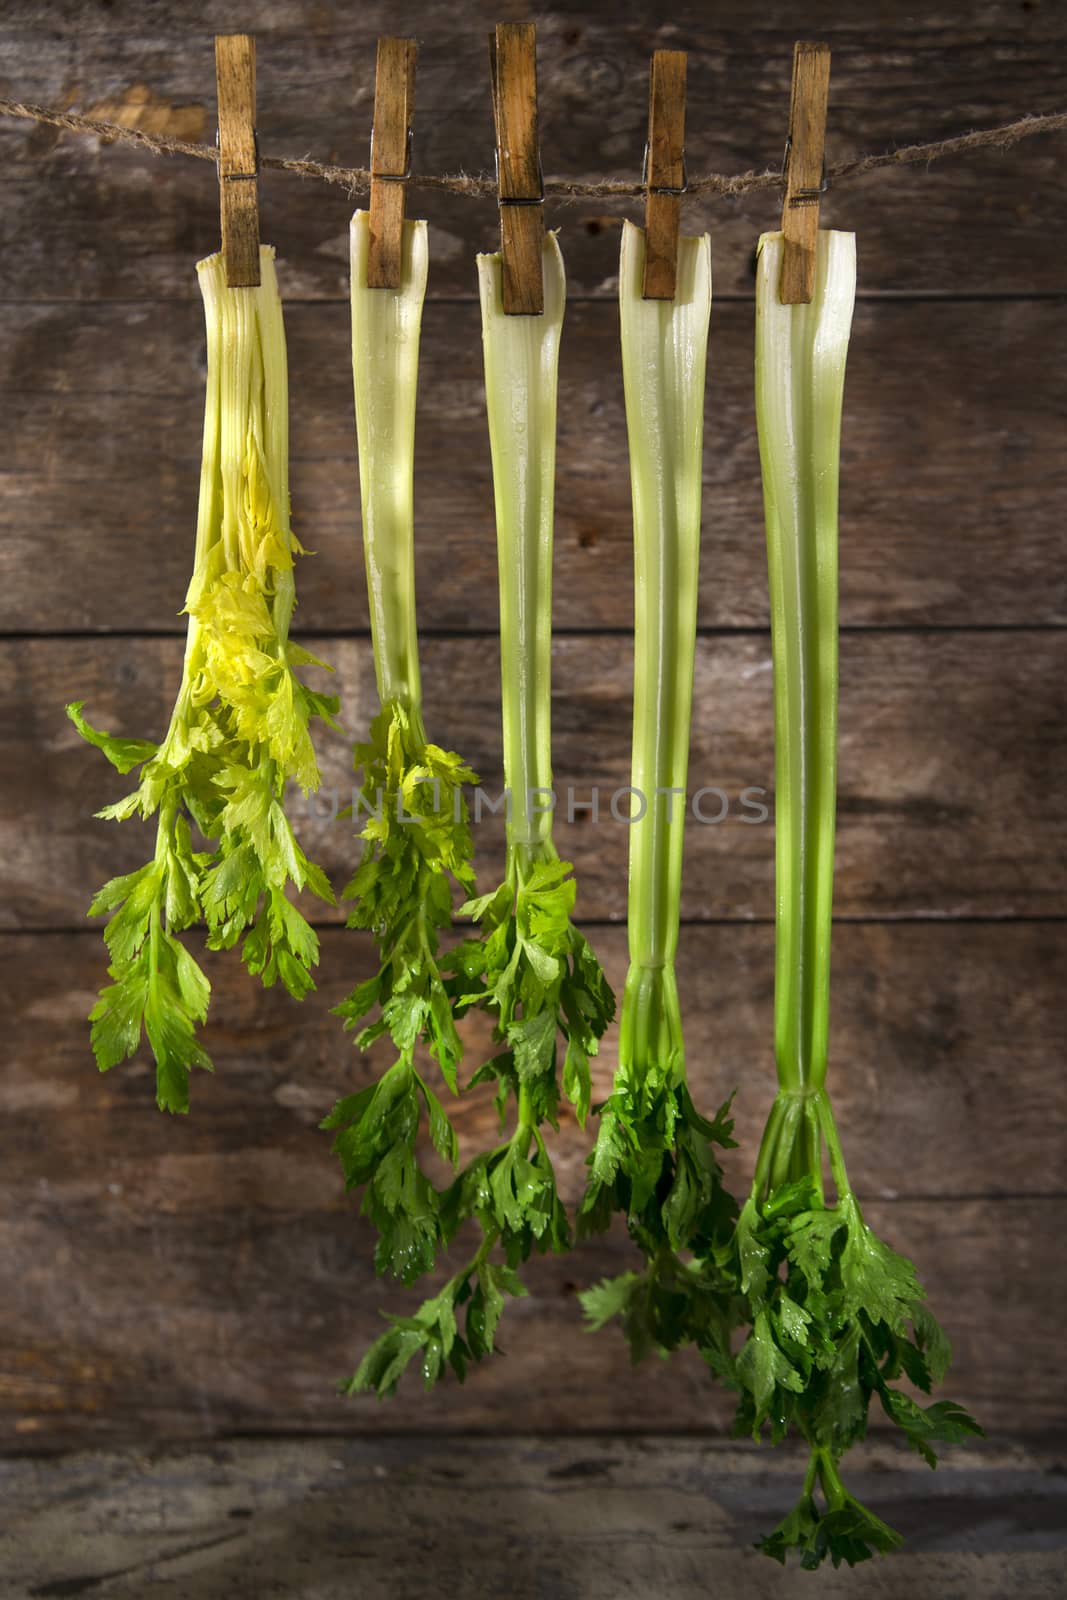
(239, 731)
(654, 1160)
(835, 1315)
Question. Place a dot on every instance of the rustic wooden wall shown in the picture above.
(197, 1277)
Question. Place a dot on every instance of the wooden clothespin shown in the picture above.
(520, 184)
(805, 172)
(664, 175)
(390, 159)
(235, 74)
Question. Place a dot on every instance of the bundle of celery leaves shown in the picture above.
(834, 1316)
(238, 733)
(527, 966)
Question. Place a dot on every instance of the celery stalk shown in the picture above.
(800, 378)
(416, 839)
(385, 363)
(536, 974)
(653, 1158)
(835, 1314)
(800, 374)
(521, 361)
(239, 730)
(664, 344)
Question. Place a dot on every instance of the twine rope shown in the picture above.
(357, 179)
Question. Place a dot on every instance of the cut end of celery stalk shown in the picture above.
(215, 264)
(491, 286)
(835, 272)
(693, 277)
(414, 257)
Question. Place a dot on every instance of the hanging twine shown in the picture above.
(357, 179)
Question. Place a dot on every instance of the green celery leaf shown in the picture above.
(944, 1422)
(607, 1299)
(763, 1366)
(122, 753)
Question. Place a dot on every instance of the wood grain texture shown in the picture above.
(982, 224)
(929, 1023)
(186, 1276)
(394, 110)
(804, 172)
(127, 1321)
(195, 1276)
(235, 73)
(513, 70)
(665, 162)
(950, 509)
(570, 1519)
(951, 789)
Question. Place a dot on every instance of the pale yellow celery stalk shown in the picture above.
(521, 361)
(239, 729)
(385, 364)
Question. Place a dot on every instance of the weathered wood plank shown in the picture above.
(931, 1025)
(949, 510)
(127, 1320)
(952, 777)
(129, 223)
(577, 1519)
(175, 1276)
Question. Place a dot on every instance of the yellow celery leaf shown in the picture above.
(288, 738)
(298, 656)
(280, 721)
(205, 735)
(234, 605)
(236, 670)
(258, 502)
(304, 767)
(271, 556)
(261, 540)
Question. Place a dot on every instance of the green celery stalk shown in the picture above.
(664, 347)
(239, 729)
(835, 1314)
(800, 376)
(653, 1159)
(530, 968)
(534, 964)
(416, 838)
